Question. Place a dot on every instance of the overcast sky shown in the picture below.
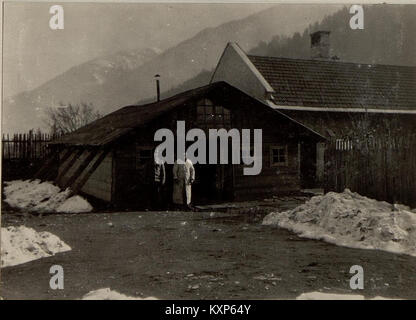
(33, 53)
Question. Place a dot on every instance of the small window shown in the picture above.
(201, 110)
(209, 110)
(207, 102)
(210, 118)
(278, 156)
(227, 116)
(210, 115)
(201, 118)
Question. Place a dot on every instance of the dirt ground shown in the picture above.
(188, 255)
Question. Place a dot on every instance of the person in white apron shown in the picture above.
(183, 178)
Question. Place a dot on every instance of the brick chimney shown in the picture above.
(320, 45)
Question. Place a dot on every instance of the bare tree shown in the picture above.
(68, 118)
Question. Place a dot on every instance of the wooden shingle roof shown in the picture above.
(335, 84)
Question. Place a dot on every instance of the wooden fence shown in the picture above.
(23, 154)
(26, 146)
(382, 168)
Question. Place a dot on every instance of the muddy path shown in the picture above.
(184, 255)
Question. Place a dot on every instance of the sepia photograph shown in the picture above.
(230, 151)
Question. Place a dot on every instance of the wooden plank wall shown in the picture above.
(86, 170)
(272, 180)
(125, 176)
(99, 183)
(65, 176)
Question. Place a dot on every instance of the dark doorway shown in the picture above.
(213, 183)
(308, 164)
(205, 189)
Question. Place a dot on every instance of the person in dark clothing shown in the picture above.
(158, 185)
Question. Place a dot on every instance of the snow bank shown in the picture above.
(75, 204)
(43, 197)
(315, 295)
(22, 244)
(349, 219)
(108, 294)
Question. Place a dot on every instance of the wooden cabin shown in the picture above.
(109, 158)
(299, 104)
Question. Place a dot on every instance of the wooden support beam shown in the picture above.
(80, 168)
(78, 184)
(69, 165)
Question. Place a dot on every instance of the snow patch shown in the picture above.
(108, 294)
(351, 220)
(75, 204)
(315, 295)
(21, 244)
(42, 197)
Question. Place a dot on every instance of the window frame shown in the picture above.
(217, 118)
(279, 164)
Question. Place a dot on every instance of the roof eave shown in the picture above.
(341, 109)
